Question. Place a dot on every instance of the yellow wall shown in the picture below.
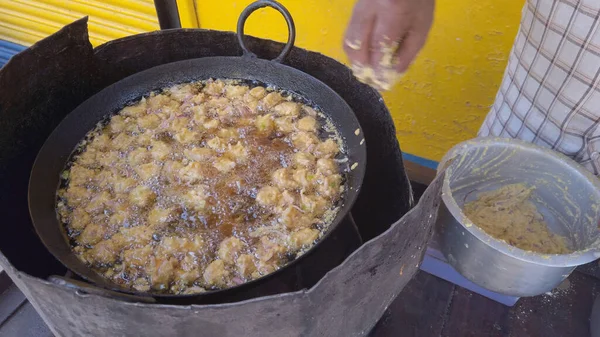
(441, 101)
(27, 21)
(444, 97)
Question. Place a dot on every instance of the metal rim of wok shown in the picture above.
(575, 258)
(58, 148)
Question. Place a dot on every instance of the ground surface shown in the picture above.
(428, 307)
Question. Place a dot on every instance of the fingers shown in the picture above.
(414, 40)
(358, 34)
(389, 30)
(410, 47)
(386, 38)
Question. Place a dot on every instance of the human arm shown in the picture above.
(384, 36)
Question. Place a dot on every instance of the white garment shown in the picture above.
(550, 93)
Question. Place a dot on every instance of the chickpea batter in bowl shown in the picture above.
(203, 186)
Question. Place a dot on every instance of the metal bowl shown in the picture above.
(567, 195)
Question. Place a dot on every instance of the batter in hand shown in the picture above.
(384, 36)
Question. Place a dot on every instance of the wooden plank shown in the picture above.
(25, 323)
(418, 173)
(419, 310)
(10, 301)
(565, 312)
(591, 269)
(472, 315)
(5, 281)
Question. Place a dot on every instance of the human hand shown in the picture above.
(384, 36)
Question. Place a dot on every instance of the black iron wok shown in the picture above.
(58, 148)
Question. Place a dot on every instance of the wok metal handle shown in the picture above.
(288, 19)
